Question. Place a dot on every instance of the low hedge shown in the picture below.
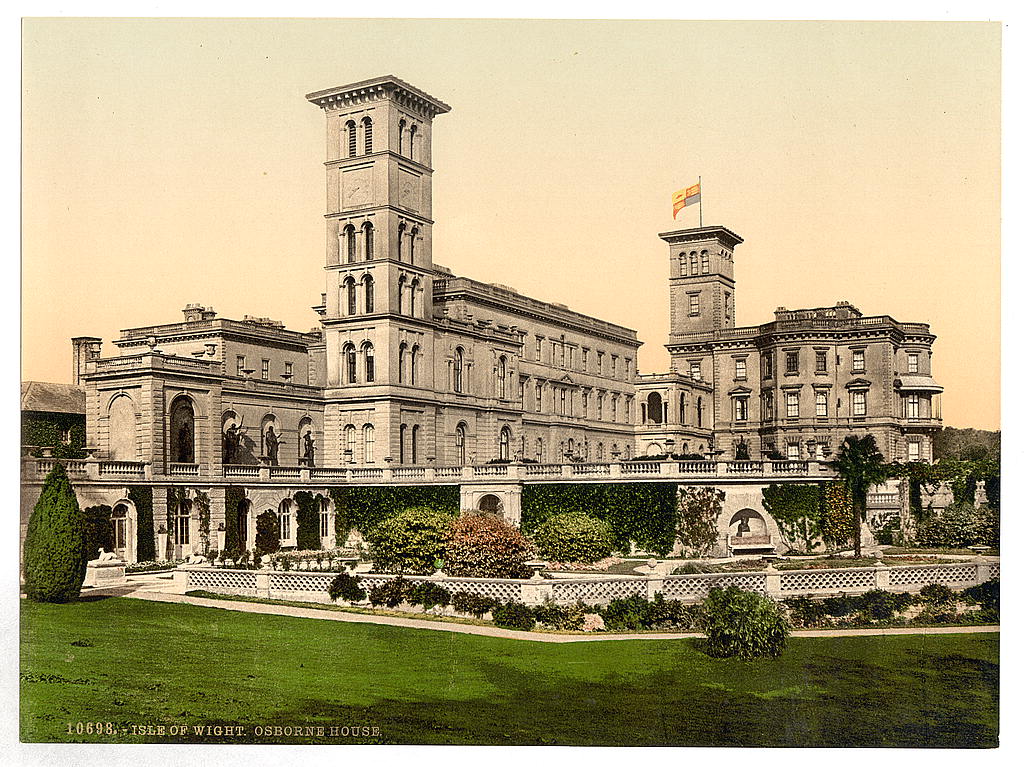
(514, 615)
(345, 586)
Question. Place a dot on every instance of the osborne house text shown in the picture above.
(418, 376)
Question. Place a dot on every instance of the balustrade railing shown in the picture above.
(130, 468)
(183, 469)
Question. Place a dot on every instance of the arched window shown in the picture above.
(412, 142)
(412, 364)
(654, 407)
(600, 451)
(349, 354)
(368, 443)
(368, 363)
(368, 293)
(401, 237)
(367, 135)
(183, 431)
(401, 442)
(414, 289)
(350, 127)
(284, 514)
(700, 411)
(401, 135)
(457, 370)
(503, 443)
(460, 443)
(704, 262)
(367, 241)
(682, 407)
(350, 296)
(401, 362)
(119, 532)
(540, 450)
(401, 294)
(350, 443)
(693, 263)
(415, 442)
(502, 376)
(350, 243)
(412, 243)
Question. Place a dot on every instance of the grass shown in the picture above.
(132, 663)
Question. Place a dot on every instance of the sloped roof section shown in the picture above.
(45, 397)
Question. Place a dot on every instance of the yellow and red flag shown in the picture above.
(685, 197)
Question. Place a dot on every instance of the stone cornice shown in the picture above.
(702, 234)
(376, 88)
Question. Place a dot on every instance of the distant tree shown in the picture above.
(859, 465)
(55, 554)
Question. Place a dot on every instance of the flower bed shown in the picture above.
(152, 566)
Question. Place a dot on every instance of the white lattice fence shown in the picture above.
(947, 574)
(815, 581)
(300, 586)
(596, 592)
(994, 570)
(696, 587)
(235, 582)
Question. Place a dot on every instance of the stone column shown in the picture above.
(773, 582)
(160, 518)
(881, 577)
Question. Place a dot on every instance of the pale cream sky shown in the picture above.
(167, 162)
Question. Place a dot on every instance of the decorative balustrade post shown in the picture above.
(387, 474)
(430, 474)
(179, 579)
(615, 469)
(304, 474)
(773, 582)
(147, 470)
(983, 572)
(467, 472)
(566, 470)
(655, 583)
(881, 576)
(92, 469)
(264, 473)
(263, 584)
(537, 590)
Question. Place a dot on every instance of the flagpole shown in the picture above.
(700, 205)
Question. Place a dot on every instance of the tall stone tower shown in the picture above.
(379, 261)
(701, 285)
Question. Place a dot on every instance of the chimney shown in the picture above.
(197, 312)
(84, 349)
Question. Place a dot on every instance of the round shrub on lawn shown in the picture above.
(409, 542)
(55, 553)
(743, 624)
(574, 537)
(485, 546)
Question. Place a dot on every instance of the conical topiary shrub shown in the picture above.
(55, 553)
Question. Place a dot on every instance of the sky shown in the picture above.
(167, 162)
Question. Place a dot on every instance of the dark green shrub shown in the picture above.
(673, 614)
(956, 527)
(629, 614)
(889, 533)
(364, 508)
(693, 568)
(743, 624)
(878, 605)
(55, 554)
(805, 612)
(485, 546)
(391, 593)
(233, 498)
(473, 604)
(985, 594)
(268, 532)
(307, 520)
(559, 617)
(142, 499)
(429, 594)
(514, 615)
(410, 542)
(345, 586)
(937, 595)
(840, 607)
(573, 537)
(98, 532)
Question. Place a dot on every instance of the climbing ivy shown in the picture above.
(307, 516)
(203, 511)
(145, 544)
(98, 532)
(48, 429)
(233, 496)
(837, 515)
(797, 509)
(363, 508)
(639, 512)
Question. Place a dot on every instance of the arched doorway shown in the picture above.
(654, 408)
(183, 431)
(121, 532)
(490, 504)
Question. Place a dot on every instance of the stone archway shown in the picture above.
(490, 504)
(183, 431)
(748, 523)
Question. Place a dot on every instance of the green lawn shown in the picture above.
(131, 662)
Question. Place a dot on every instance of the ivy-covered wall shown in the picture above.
(642, 512)
(232, 540)
(363, 508)
(307, 517)
(797, 509)
(48, 429)
(142, 498)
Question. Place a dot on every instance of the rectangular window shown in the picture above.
(629, 368)
(539, 340)
(705, 264)
(821, 404)
(912, 363)
(860, 403)
(615, 366)
(767, 365)
(695, 371)
(694, 304)
(793, 451)
(540, 396)
(792, 405)
(600, 406)
(572, 358)
(561, 402)
(286, 525)
(741, 370)
(615, 408)
(239, 365)
(820, 364)
(562, 355)
(740, 409)
(792, 362)
(600, 363)
(584, 403)
(913, 406)
(288, 370)
(858, 361)
(325, 528)
(914, 451)
(265, 370)
(181, 528)
(554, 351)
(585, 354)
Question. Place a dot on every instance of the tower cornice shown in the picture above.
(376, 88)
(701, 234)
